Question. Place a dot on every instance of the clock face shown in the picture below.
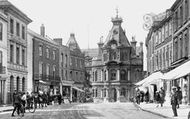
(115, 31)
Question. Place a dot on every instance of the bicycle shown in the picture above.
(30, 107)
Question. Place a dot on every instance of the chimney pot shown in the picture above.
(42, 30)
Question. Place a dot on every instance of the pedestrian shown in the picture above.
(157, 98)
(162, 96)
(44, 97)
(23, 102)
(17, 103)
(28, 100)
(179, 96)
(174, 101)
(35, 99)
(138, 96)
(59, 98)
(147, 97)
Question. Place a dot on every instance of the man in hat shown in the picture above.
(174, 101)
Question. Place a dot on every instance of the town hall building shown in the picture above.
(117, 66)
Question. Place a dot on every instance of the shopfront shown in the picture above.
(3, 93)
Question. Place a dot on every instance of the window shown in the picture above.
(40, 50)
(47, 71)
(176, 20)
(1, 31)
(17, 83)
(166, 30)
(66, 75)
(176, 49)
(96, 76)
(47, 53)
(113, 74)
(1, 57)
(17, 55)
(186, 9)
(104, 92)
(23, 84)
(159, 36)
(12, 26)
(62, 74)
(23, 57)
(54, 69)
(66, 60)
(163, 34)
(170, 28)
(123, 75)
(164, 60)
(17, 29)
(23, 32)
(40, 68)
(11, 53)
(123, 92)
(62, 59)
(54, 55)
(186, 45)
(181, 15)
(181, 47)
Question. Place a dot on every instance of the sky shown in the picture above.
(89, 19)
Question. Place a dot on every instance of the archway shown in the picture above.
(113, 95)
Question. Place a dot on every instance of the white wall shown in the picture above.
(30, 62)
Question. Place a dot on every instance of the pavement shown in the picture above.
(165, 111)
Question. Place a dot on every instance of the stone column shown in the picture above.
(167, 97)
(118, 74)
(14, 53)
(101, 76)
(107, 75)
(128, 75)
(118, 94)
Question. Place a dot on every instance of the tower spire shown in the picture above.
(117, 11)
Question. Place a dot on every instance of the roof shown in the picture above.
(72, 43)
(5, 4)
(91, 52)
(36, 35)
(117, 33)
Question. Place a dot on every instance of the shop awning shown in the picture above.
(178, 72)
(76, 88)
(150, 79)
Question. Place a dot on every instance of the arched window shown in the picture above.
(113, 74)
(23, 84)
(123, 75)
(96, 76)
(17, 83)
(123, 92)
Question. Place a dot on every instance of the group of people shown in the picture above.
(22, 101)
(176, 98)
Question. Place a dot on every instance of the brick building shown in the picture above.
(77, 68)
(44, 62)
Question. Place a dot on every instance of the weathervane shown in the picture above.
(117, 11)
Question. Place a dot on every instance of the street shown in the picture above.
(86, 111)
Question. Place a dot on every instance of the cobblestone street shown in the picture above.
(87, 111)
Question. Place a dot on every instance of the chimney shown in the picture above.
(42, 30)
(100, 45)
(72, 35)
(133, 43)
(58, 40)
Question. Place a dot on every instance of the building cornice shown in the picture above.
(10, 8)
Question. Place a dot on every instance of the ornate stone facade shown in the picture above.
(17, 48)
(118, 65)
